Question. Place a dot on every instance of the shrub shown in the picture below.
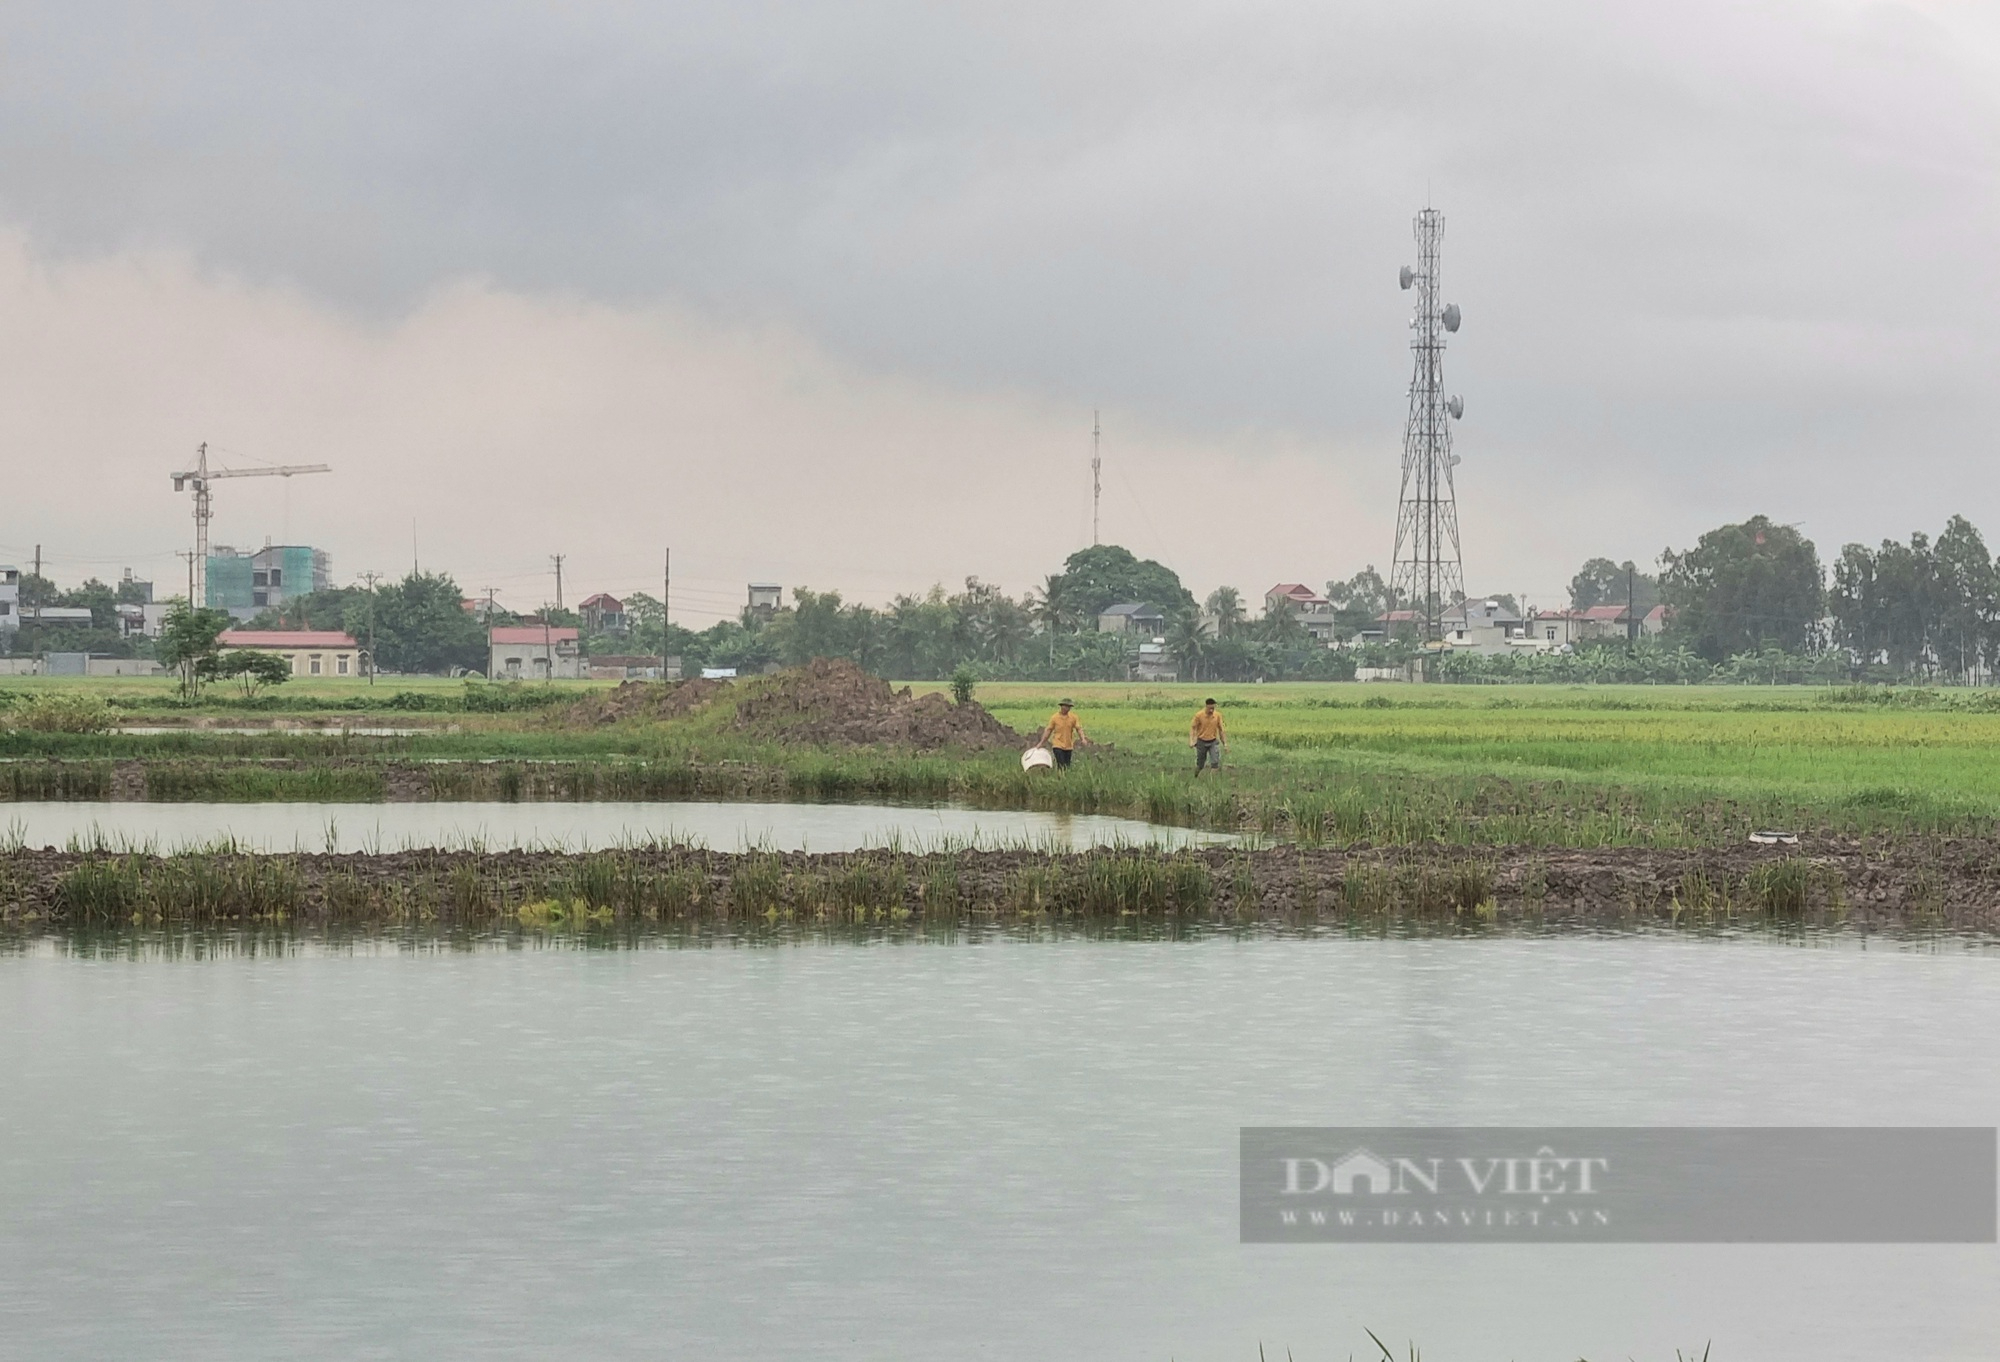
(62, 711)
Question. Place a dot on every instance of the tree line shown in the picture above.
(1747, 601)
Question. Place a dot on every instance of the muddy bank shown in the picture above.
(829, 701)
(1941, 885)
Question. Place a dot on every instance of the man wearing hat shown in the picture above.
(1061, 733)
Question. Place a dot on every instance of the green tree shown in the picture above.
(1105, 575)
(37, 590)
(188, 645)
(1359, 601)
(1742, 587)
(421, 626)
(100, 600)
(1225, 605)
(1188, 644)
(253, 668)
(330, 609)
(1922, 608)
(1279, 624)
(1602, 582)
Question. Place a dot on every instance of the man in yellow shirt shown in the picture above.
(1205, 736)
(1062, 733)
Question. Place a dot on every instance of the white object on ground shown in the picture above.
(1037, 758)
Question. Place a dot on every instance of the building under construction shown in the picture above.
(246, 584)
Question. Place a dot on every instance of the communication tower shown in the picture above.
(1096, 483)
(1429, 574)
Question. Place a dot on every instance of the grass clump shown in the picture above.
(59, 711)
(1780, 888)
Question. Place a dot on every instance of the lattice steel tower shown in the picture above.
(1429, 574)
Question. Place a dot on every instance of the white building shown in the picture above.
(1484, 626)
(10, 598)
(308, 652)
(533, 652)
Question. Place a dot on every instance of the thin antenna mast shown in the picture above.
(1429, 570)
(1096, 481)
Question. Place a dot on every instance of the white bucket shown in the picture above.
(1038, 758)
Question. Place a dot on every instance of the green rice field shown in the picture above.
(1319, 762)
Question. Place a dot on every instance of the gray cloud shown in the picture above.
(1714, 258)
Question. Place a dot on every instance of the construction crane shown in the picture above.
(198, 478)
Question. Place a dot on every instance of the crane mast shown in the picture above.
(197, 480)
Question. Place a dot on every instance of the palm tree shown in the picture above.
(1052, 610)
(1187, 643)
(1226, 606)
(1280, 625)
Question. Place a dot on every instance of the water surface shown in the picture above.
(498, 826)
(862, 1152)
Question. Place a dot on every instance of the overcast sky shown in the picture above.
(826, 293)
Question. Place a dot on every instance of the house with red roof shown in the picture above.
(309, 652)
(533, 652)
(1313, 610)
(604, 614)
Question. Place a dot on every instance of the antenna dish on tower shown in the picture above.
(1406, 276)
(1428, 574)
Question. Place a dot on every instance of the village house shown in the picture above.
(1484, 626)
(1598, 624)
(534, 652)
(603, 614)
(1474, 625)
(1133, 617)
(624, 667)
(1313, 610)
(308, 652)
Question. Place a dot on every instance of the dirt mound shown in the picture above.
(830, 700)
(644, 700)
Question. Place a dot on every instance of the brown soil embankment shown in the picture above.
(829, 701)
(1940, 885)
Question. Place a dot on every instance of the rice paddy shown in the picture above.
(1334, 765)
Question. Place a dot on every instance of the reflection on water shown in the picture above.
(1008, 1147)
(574, 827)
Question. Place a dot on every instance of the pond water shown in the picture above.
(499, 826)
(1015, 1149)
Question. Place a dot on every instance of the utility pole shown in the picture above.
(1631, 620)
(557, 558)
(369, 578)
(666, 613)
(189, 555)
(35, 649)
